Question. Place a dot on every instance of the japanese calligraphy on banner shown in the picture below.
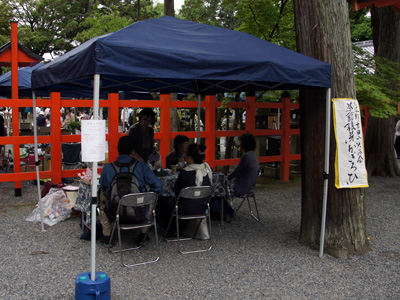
(350, 171)
(93, 140)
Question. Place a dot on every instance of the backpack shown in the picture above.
(124, 183)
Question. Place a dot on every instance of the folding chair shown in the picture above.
(247, 197)
(195, 192)
(71, 153)
(10, 161)
(131, 201)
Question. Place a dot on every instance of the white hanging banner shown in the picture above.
(93, 140)
(350, 171)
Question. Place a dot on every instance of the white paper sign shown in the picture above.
(93, 140)
(350, 160)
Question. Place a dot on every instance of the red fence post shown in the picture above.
(14, 97)
(55, 137)
(113, 121)
(285, 141)
(251, 114)
(210, 130)
(165, 127)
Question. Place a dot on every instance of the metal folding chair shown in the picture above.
(131, 201)
(247, 197)
(71, 155)
(196, 192)
(10, 161)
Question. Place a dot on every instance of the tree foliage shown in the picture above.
(271, 20)
(57, 26)
(5, 17)
(360, 25)
(377, 83)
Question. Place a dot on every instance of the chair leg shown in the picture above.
(121, 251)
(247, 197)
(257, 218)
(208, 220)
(222, 203)
(169, 225)
(240, 205)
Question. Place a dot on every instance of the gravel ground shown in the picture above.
(249, 260)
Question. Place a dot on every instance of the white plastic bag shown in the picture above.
(56, 208)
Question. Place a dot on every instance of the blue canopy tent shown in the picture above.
(173, 55)
(24, 82)
(25, 87)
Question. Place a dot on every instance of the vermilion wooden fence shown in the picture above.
(164, 136)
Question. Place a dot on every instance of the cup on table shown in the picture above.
(174, 169)
(181, 165)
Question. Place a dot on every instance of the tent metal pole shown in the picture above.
(198, 117)
(36, 159)
(326, 170)
(96, 93)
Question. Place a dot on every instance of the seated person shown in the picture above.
(41, 120)
(143, 174)
(181, 144)
(196, 173)
(244, 176)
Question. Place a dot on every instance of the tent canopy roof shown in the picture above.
(173, 55)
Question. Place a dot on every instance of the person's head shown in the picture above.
(147, 117)
(195, 154)
(181, 143)
(126, 145)
(247, 142)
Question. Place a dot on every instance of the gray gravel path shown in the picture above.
(249, 260)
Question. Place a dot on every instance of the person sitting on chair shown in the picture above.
(41, 120)
(178, 156)
(244, 176)
(196, 173)
(143, 174)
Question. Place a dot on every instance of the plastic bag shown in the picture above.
(56, 208)
(86, 177)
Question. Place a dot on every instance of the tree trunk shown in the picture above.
(379, 147)
(323, 32)
(169, 9)
(379, 140)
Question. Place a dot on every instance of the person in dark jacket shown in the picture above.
(41, 120)
(244, 176)
(181, 144)
(143, 134)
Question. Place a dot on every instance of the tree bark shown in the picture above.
(379, 139)
(323, 32)
(169, 9)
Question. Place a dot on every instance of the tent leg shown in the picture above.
(326, 171)
(96, 93)
(36, 160)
